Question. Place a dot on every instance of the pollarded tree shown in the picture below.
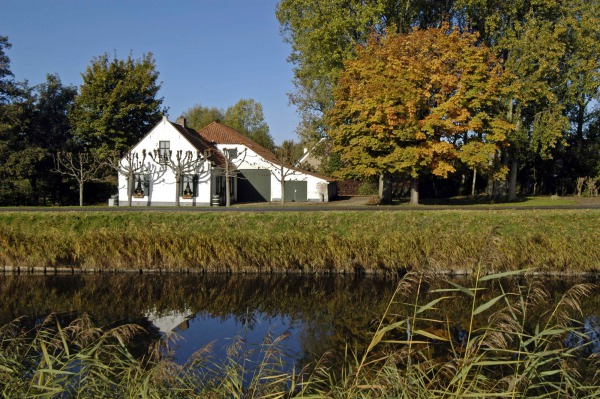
(83, 167)
(181, 164)
(408, 101)
(117, 104)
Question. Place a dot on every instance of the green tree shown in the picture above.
(551, 47)
(117, 103)
(323, 34)
(15, 112)
(43, 131)
(6, 81)
(408, 101)
(246, 116)
(198, 116)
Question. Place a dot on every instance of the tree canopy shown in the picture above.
(199, 116)
(323, 34)
(407, 103)
(118, 102)
(551, 47)
(246, 116)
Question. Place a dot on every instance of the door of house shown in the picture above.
(254, 185)
(295, 191)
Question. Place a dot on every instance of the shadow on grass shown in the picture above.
(485, 200)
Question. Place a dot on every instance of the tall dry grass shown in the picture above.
(547, 241)
(517, 344)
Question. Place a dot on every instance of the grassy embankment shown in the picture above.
(517, 344)
(563, 241)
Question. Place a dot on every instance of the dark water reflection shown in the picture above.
(320, 313)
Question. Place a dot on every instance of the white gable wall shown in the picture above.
(247, 159)
(163, 188)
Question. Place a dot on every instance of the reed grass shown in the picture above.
(544, 240)
(515, 346)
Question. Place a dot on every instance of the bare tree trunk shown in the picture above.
(512, 183)
(129, 188)
(227, 185)
(385, 189)
(414, 191)
(282, 181)
(473, 184)
(580, 122)
(81, 183)
(177, 184)
(500, 190)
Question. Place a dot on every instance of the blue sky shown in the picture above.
(209, 52)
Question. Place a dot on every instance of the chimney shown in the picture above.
(181, 121)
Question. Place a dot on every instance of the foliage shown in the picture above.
(198, 116)
(117, 103)
(44, 130)
(408, 101)
(550, 47)
(324, 34)
(367, 188)
(246, 116)
(5, 72)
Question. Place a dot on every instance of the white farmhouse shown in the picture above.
(176, 165)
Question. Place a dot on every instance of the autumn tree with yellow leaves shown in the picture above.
(408, 103)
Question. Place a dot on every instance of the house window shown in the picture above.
(231, 153)
(164, 151)
(141, 185)
(189, 185)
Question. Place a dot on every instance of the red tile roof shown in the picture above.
(218, 133)
(201, 144)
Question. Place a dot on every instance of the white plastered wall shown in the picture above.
(163, 188)
(248, 159)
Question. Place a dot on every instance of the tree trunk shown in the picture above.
(227, 184)
(385, 189)
(580, 123)
(414, 191)
(500, 186)
(282, 184)
(512, 184)
(81, 183)
(177, 183)
(35, 195)
(473, 184)
(130, 188)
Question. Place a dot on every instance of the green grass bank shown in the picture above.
(552, 241)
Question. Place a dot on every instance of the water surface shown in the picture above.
(317, 314)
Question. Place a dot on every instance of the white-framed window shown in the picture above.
(164, 151)
(231, 153)
(141, 185)
(189, 186)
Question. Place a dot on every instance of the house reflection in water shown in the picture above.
(170, 321)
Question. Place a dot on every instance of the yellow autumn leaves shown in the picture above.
(420, 103)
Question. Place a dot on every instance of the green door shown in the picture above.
(295, 191)
(254, 185)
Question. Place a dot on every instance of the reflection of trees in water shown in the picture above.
(335, 312)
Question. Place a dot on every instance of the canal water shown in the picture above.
(312, 314)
